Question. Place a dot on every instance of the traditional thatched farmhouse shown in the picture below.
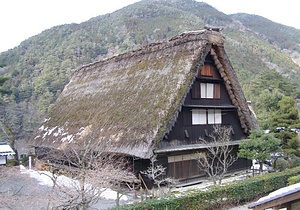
(158, 99)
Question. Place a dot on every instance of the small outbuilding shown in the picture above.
(5, 151)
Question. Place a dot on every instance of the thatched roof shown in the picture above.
(132, 100)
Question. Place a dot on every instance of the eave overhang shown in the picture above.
(181, 148)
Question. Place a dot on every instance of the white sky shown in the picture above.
(21, 19)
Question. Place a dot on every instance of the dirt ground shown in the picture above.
(19, 191)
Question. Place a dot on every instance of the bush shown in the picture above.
(217, 196)
(281, 164)
(12, 162)
(294, 179)
(295, 162)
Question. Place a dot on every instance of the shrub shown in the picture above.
(295, 162)
(281, 164)
(294, 179)
(12, 162)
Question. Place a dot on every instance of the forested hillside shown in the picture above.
(263, 53)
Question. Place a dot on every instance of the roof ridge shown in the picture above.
(214, 37)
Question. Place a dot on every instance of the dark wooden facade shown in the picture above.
(206, 104)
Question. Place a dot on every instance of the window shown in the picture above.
(207, 70)
(199, 116)
(209, 90)
(206, 90)
(206, 116)
(177, 158)
(214, 116)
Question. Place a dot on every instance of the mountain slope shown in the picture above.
(283, 36)
(42, 65)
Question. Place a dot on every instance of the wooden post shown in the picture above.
(29, 162)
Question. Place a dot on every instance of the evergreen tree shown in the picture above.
(3, 90)
(259, 146)
(287, 118)
(287, 115)
(267, 104)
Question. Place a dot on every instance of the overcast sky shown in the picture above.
(21, 19)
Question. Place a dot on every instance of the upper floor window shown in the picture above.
(206, 116)
(210, 90)
(209, 70)
(199, 117)
(206, 90)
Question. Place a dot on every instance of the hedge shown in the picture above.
(217, 196)
(294, 179)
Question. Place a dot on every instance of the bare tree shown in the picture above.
(157, 173)
(92, 171)
(218, 156)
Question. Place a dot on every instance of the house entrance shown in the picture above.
(183, 167)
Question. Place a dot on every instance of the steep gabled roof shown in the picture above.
(133, 99)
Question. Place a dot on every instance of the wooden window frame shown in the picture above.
(206, 116)
(210, 90)
(199, 117)
(207, 70)
(214, 116)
